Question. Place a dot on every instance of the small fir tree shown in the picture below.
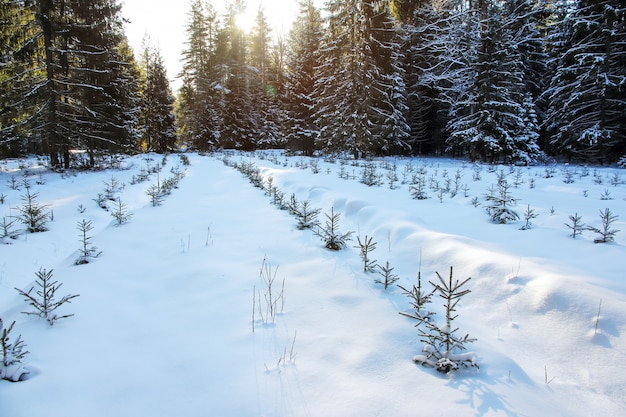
(155, 194)
(293, 205)
(120, 212)
(419, 298)
(576, 226)
(330, 234)
(13, 354)
(606, 233)
(366, 246)
(388, 276)
(112, 187)
(443, 347)
(87, 252)
(43, 300)
(418, 188)
(529, 214)
(34, 215)
(7, 231)
(101, 200)
(307, 216)
(500, 203)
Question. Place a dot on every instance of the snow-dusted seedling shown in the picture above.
(87, 252)
(500, 203)
(419, 298)
(13, 353)
(155, 194)
(607, 234)
(369, 176)
(307, 216)
(388, 277)
(111, 187)
(418, 188)
(32, 214)
(576, 226)
(43, 300)
(529, 214)
(443, 349)
(120, 212)
(7, 231)
(366, 246)
(331, 236)
(101, 200)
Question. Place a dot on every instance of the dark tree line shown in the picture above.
(490, 80)
(69, 81)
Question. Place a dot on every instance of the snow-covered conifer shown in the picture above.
(495, 119)
(303, 61)
(330, 234)
(444, 349)
(500, 204)
(366, 246)
(529, 214)
(120, 212)
(419, 298)
(87, 252)
(360, 89)
(388, 277)
(43, 299)
(32, 214)
(13, 353)
(585, 117)
(306, 215)
(576, 226)
(7, 231)
(607, 234)
(157, 120)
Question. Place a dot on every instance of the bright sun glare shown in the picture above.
(279, 15)
(245, 21)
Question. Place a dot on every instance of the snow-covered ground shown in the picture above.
(163, 325)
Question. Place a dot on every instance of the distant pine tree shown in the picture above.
(200, 99)
(158, 122)
(586, 98)
(74, 77)
(303, 60)
(361, 94)
(238, 129)
(264, 86)
(495, 119)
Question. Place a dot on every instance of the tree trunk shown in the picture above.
(51, 142)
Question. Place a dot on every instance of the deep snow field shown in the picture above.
(164, 322)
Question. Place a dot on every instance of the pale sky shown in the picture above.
(165, 20)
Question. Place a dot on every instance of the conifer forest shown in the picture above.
(511, 81)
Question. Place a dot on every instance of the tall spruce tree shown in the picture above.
(495, 118)
(200, 97)
(443, 40)
(20, 56)
(586, 118)
(303, 60)
(102, 76)
(424, 42)
(263, 87)
(526, 19)
(239, 123)
(277, 91)
(81, 93)
(359, 88)
(157, 121)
